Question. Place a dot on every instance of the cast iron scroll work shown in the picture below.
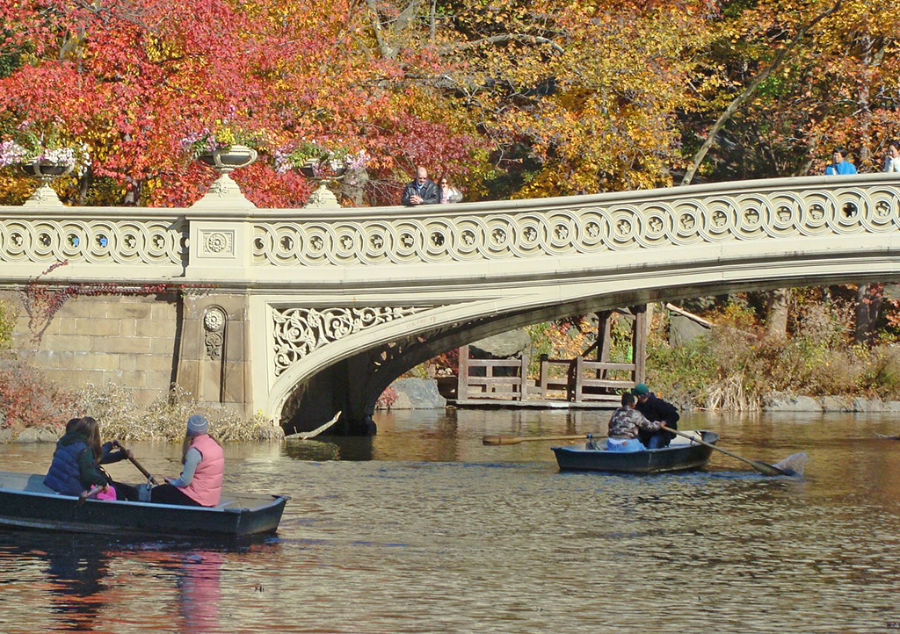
(299, 331)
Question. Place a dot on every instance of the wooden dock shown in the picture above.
(577, 383)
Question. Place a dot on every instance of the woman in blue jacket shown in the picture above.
(75, 467)
(77, 459)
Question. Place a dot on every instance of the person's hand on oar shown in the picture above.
(137, 464)
(93, 492)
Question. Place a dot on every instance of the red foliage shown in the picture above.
(387, 398)
(28, 400)
(265, 187)
(131, 79)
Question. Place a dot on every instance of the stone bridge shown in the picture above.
(298, 313)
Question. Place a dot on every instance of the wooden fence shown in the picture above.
(578, 381)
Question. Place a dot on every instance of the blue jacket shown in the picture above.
(73, 470)
(844, 167)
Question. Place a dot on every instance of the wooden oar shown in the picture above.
(90, 493)
(514, 440)
(137, 464)
(762, 467)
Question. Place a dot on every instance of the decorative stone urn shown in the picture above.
(224, 190)
(323, 197)
(46, 171)
(227, 160)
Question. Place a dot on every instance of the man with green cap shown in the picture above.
(655, 409)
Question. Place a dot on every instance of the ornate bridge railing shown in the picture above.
(215, 243)
(283, 294)
(583, 225)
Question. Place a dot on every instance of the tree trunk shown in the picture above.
(777, 312)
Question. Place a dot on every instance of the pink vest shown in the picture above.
(206, 487)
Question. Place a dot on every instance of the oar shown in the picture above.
(762, 467)
(514, 440)
(137, 464)
(90, 493)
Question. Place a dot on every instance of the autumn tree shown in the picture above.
(131, 78)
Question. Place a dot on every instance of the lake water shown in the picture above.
(424, 529)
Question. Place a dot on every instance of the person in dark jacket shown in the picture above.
(77, 459)
(655, 409)
(75, 467)
(421, 191)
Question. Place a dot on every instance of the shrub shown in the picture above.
(7, 322)
(387, 398)
(165, 418)
(738, 364)
(27, 399)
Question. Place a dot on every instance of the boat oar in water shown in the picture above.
(514, 440)
(763, 467)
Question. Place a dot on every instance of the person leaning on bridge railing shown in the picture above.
(892, 159)
(447, 192)
(421, 191)
(839, 166)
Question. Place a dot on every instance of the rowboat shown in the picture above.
(681, 454)
(26, 503)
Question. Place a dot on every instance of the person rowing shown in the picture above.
(625, 426)
(658, 410)
(200, 482)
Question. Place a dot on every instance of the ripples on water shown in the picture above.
(425, 529)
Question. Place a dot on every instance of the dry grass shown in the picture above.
(166, 417)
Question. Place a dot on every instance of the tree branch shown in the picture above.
(506, 37)
(749, 92)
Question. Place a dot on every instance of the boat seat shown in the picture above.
(681, 440)
(34, 483)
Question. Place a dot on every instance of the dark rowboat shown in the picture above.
(26, 503)
(680, 455)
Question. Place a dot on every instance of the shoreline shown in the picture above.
(774, 402)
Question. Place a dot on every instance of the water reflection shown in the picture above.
(200, 591)
(77, 571)
(318, 450)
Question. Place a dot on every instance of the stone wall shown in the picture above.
(213, 355)
(127, 340)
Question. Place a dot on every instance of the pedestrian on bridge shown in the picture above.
(892, 160)
(448, 193)
(421, 191)
(839, 166)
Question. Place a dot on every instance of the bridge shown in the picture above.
(298, 313)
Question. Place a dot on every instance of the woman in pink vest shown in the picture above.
(200, 482)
